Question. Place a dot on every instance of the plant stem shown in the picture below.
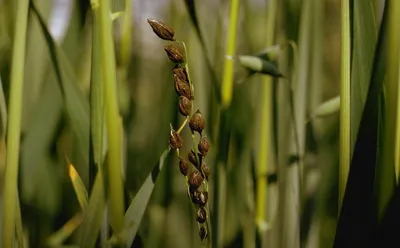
(11, 213)
(344, 165)
(265, 128)
(227, 82)
(115, 183)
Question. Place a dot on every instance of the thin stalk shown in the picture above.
(344, 165)
(227, 82)
(397, 148)
(390, 121)
(11, 214)
(115, 183)
(265, 127)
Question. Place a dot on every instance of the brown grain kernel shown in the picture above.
(181, 87)
(175, 139)
(204, 146)
(162, 30)
(184, 105)
(183, 166)
(174, 54)
(206, 170)
(201, 215)
(195, 179)
(197, 122)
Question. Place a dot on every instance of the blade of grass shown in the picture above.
(94, 214)
(3, 111)
(344, 165)
(227, 81)
(113, 129)
(78, 185)
(357, 218)
(136, 209)
(11, 214)
(59, 237)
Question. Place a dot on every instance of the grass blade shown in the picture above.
(59, 237)
(3, 111)
(357, 218)
(327, 108)
(135, 212)
(78, 185)
(94, 214)
(344, 99)
(113, 128)
(11, 213)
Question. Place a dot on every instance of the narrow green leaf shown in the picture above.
(270, 53)
(14, 128)
(3, 111)
(135, 212)
(78, 185)
(329, 107)
(59, 237)
(94, 214)
(256, 64)
(116, 15)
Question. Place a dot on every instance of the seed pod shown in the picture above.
(197, 122)
(174, 54)
(180, 72)
(162, 30)
(183, 166)
(181, 87)
(195, 179)
(175, 139)
(201, 215)
(200, 198)
(203, 233)
(192, 158)
(205, 170)
(203, 146)
(184, 105)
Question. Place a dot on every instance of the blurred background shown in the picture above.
(148, 104)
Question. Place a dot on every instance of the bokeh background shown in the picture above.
(148, 104)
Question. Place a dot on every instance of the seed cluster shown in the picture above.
(196, 172)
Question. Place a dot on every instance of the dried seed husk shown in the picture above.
(206, 170)
(183, 166)
(197, 122)
(184, 105)
(203, 146)
(174, 54)
(181, 87)
(175, 139)
(201, 215)
(199, 198)
(203, 233)
(162, 30)
(195, 180)
(180, 72)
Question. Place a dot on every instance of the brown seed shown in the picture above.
(181, 87)
(203, 233)
(184, 105)
(195, 179)
(161, 29)
(175, 139)
(192, 158)
(174, 53)
(201, 215)
(200, 198)
(183, 166)
(180, 72)
(205, 170)
(203, 146)
(197, 122)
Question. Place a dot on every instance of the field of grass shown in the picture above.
(182, 123)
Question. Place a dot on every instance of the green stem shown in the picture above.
(344, 165)
(265, 128)
(11, 211)
(115, 183)
(227, 82)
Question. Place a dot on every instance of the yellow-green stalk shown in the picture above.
(11, 212)
(344, 165)
(265, 126)
(115, 184)
(227, 81)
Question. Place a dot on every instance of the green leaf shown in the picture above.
(94, 214)
(327, 108)
(59, 237)
(78, 185)
(258, 65)
(135, 212)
